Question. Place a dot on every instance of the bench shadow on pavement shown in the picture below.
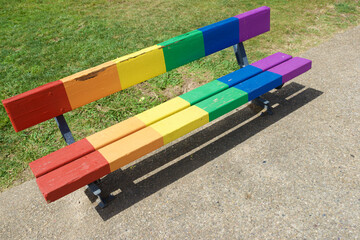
(150, 175)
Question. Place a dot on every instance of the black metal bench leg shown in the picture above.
(265, 104)
(95, 189)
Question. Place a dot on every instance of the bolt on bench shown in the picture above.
(85, 161)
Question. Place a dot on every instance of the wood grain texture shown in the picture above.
(181, 123)
(73, 176)
(253, 23)
(140, 66)
(61, 157)
(220, 35)
(200, 93)
(292, 68)
(260, 84)
(115, 132)
(37, 105)
(223, 102)
(92, 84)
(132, 147)
(183, 49)
(163, 110)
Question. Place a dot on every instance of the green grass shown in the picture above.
(43, 41)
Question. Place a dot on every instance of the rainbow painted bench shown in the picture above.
(85, 161)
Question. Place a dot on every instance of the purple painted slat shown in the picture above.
(254, 22)
(292, 68)
(271, 61)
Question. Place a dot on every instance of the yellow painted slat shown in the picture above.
(140, 66)
(115, 132)
(92, 84)
(163, 110)
(181, 123)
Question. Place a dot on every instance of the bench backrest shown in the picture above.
(55, 98)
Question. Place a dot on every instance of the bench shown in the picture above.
(85, 161)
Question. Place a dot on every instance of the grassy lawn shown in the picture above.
(43, 41)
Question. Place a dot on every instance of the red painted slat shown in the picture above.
(37, 105)
(61, 157)
(73, 176)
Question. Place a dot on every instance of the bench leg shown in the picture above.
(265, 104)
(95, 189)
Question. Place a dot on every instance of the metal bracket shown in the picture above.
(240, 54)
(95, 189)
(69, 139)
(265, 104)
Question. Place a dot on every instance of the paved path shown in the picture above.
(292, 175)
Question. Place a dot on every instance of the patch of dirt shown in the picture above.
(146, 90)
(191, 80)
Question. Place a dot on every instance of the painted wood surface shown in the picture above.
(183, 49)
(92, 84)
(220, 35)
(292, 68)
(223, 102)
(140, 121)
(240, 75)
(37, 105)
(133, 146)
(140, 66)
(95, 83)
(253, 23)
(163, 110)
(260, 84)
(115, 132)
(271, 61)
(61, 157)
(181, 123)
(72, 176)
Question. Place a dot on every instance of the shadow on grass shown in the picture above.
(173, 162)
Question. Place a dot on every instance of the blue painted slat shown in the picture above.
(260, 84)
(240, 75)
(220, 35)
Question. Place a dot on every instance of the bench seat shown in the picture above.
(168, 126)
(131, 125)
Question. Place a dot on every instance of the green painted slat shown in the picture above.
(198, 94)
(183, 49)
(223, 102)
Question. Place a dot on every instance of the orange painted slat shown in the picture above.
(132, 147)
(115, 132)
(92, 84)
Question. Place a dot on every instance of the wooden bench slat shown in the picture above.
(260, 84)
(220, 35)
(271, 61)
(292, 68)
(224, 102)
(253, 23)
(37, 105)
(140, 121)
(92, 84)
(163, 110)
(131, 147)
(140, 66)
(61, 157)
(95, 83)
(183, 49)
(72, 176)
